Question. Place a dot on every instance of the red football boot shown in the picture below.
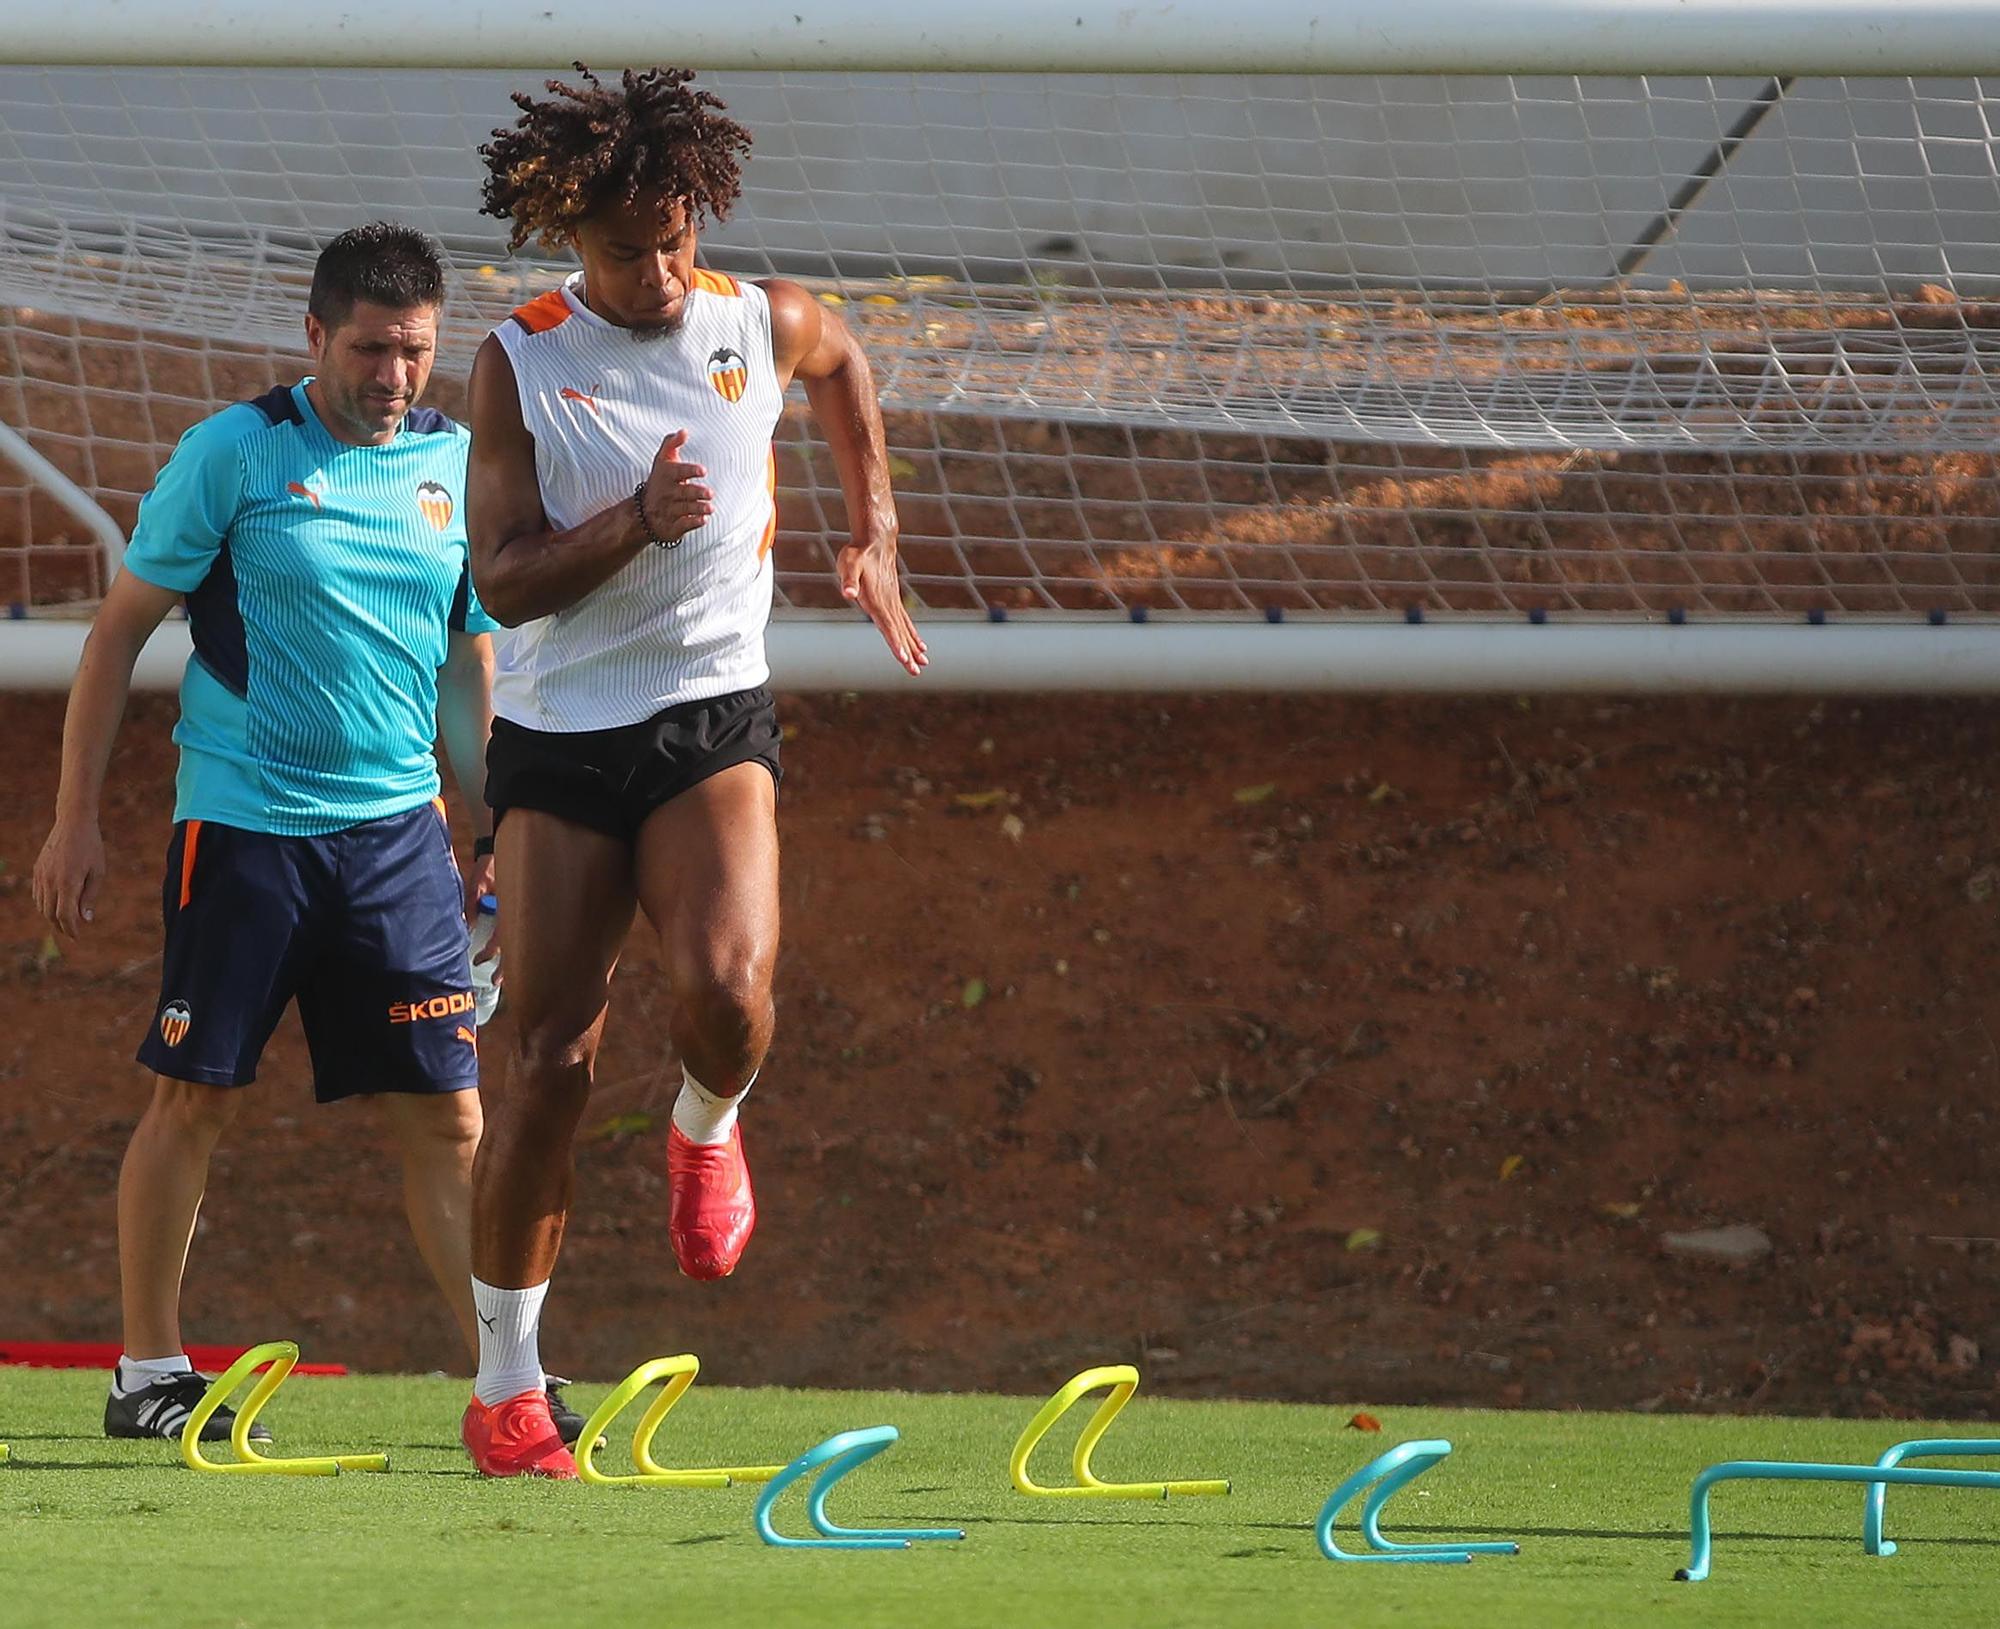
(516, 1437)
(712, 1209)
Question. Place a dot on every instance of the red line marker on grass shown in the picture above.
(104, 1355)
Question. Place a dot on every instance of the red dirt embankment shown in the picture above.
(1304, 1048)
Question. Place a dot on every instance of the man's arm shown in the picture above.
(523, 568)
(812, 344)
(71, 866)
(465, 721)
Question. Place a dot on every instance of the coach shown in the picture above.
(317, 536)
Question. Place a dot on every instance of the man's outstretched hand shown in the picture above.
(868, 579)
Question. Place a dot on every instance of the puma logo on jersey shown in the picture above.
(435, 503)
(728, 372)
(467, 1036)
(299, 489)
(571, 395)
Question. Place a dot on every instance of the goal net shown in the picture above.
(1461, 346)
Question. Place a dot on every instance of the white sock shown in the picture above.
(143, 1371)
(510, 1330)
(703, 1116)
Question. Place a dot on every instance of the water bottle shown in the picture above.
(485, 993)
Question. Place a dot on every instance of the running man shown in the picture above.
(317, 536)
(622, 514)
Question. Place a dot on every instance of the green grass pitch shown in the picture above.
(97, 1532)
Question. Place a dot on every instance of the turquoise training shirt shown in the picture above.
(321, 581)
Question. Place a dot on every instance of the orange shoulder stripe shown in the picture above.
(715, 282)
(544, 312)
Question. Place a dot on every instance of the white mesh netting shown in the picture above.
(1483, 344)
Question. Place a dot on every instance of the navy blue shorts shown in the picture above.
(366, 927)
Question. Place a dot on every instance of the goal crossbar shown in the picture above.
(1247, 36)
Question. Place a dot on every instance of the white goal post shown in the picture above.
(1570, 344)
(1034, 36)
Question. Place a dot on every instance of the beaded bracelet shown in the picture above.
(646, 521)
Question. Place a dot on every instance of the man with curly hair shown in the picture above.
(622, 510)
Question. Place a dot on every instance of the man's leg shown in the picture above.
(232, 904)
(708, 882)
(160, 1186)
(438, 1136)
(566, 906)
(159, 1195)
(567, 903)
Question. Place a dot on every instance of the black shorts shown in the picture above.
(611, 780)
(366, 927)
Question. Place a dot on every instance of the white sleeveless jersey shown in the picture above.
(674, 625)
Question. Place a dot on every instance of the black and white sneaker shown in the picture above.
(161, 1408)
(569, 1423)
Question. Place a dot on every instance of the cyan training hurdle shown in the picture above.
(1386, 1476)
(1919, 1448)
(833, 1459)
(1702, 1541)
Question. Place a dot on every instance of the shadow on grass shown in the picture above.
(1072, 1518)
(14, 1467)
(1657, 1535)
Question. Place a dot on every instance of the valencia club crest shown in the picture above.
(435, 503)
(728, 372)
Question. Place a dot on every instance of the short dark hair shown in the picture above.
(382, 263)
(588, 146)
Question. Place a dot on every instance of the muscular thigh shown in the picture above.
(566, 902)
(708, 875)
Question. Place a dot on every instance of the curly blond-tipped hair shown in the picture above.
(587, 147)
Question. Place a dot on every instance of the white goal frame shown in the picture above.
(1043, 36)
(1076, 650)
